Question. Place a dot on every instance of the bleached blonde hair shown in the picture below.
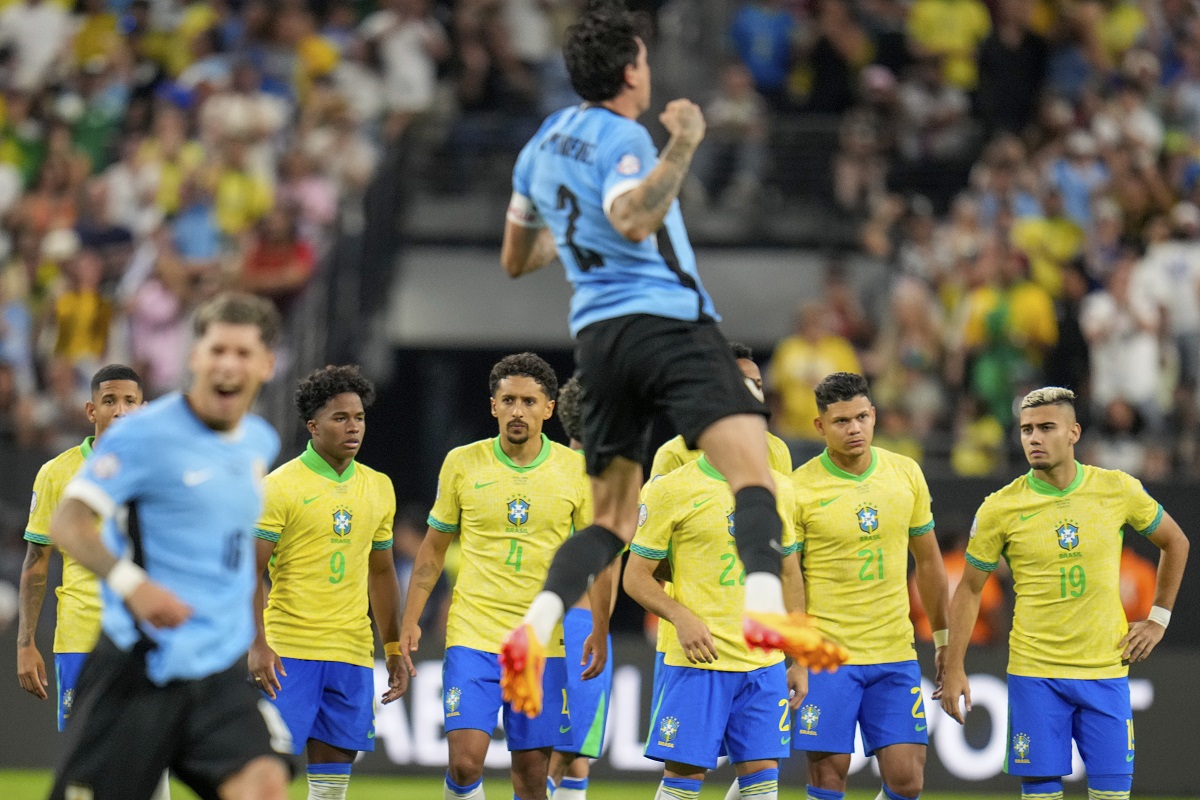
(1048, 396)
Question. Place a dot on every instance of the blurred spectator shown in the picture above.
(906, 363)
(799, 363)
(989, 625)
(978, 450)
(1001, 185)
(82, 314)
(1139, 582)
(17, 420)
(885, 21)
(923, 254)
(934, 123)
(731, 157)
(279, 263)
(1119, 442)
(833, 59)
(59, 409)
(242, 196)
(410, 44)
(951, 31)
(762, 33)
(39, 32)
(305, 188)
(1049, 242)
(866, 139)
(159, 332)
(1067, 362)
(895, 434)
(1012, 69)
(1103, 248)
(1080, 176)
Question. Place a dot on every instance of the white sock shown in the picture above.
(545, 612)
(881, 795)
(163, 792)
(473, 792)
(764, 593)
(326, 791)
(571, 789)
(735, 791)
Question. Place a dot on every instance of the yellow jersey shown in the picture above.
(78, 625)
(852, 532)
(511, 521)
(1064, 550)
(324, 527)
(687, 516)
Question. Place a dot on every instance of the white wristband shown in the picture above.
(1160, 615)
(941, 637)
(125, 577)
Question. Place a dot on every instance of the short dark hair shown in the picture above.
(327, 383)
(840, 387)
(741, 351)
(598, 47)
(569, 408)
(528, 365)
(239, 308)
(114, 372)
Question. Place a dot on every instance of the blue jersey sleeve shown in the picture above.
(626, 162)
(117, 471)
(521, 208)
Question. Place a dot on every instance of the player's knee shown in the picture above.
(824, 774)
(464, 769)
(910, 785)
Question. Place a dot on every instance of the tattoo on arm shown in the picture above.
(33, 592)
(641, 211)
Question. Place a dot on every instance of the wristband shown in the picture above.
(941, 637)
(1160, 615)
(392, 649)
(125, 577)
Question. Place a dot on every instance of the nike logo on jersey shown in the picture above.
(699, 503)
(308, 500)
(1030, 516)
(481, 485)
(785, 740)
(920, 726)
(197, 477)
(561, 729)
(1129, 758)
(827, 502)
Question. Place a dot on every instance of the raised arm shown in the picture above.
(1145, 634)
(31, 669)
(964, 609)
(431, 560)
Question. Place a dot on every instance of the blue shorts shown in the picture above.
(1044, 714)
(66, 672)
(698, 709)
(330, 701)
(471, 700)
(588, 700)
(884, 700)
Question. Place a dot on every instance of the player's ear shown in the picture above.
(549, 409)
(819, 424)
(90, 409)
(492, 400)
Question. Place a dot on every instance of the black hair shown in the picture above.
(741, 351)
(528, 365)
(114, 372)
(327, 383)
(570, 412)
(598, 48)
(840, 387)
(239, 308)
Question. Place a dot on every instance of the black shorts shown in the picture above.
(634, 367)
(124, 730)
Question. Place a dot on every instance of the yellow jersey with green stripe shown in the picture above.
(674, 454)
(687, 516)
(324, 527)
(78, 625)
(853, 533)
(510, 520)
(1064, 550)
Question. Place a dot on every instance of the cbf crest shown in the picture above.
(453, 698)
(1068, 535)
(868, 519)
(668, 729)
(342, 518)
(809, 716)
(1020, 746)
(518, 511)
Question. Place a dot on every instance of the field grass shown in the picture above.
(18, 785)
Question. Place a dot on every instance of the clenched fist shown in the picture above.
(683, 120)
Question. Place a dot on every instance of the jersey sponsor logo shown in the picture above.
(810, 715)
(668, 729)
(518, 511)
(479, 485)
(342, 521)
(1068, 535)
(453, 698)
(308, 500)
(33, 503)
(195, 477)
(629, 164)
(827, 502)
(106, 466)
(1021, 747)
(1027, 517)
(643, 513)
(868, 519)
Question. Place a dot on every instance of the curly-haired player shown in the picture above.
(326, 532)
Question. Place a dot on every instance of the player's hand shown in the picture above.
(939, 672)
(954, 686)
(31, 671)
(397, 679)
(797, 679)
(263, 663)
(695, 638)
(596, 648)
(1141, 640)
(684, 121)
(152, 603)
(410, 637)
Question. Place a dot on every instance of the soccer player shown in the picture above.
(177, 485)
(1060, 529)
(715, 690)
(326, 534)
(587, 644)
(590, 187)
(859, 512)
(512, 500)
(116, 391)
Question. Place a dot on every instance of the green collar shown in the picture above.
(86, 447)
(838, 472)
(1041, 487)
(503, 458)
(313, 460)
(709, 470)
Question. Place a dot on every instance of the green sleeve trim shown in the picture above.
(983, 565)
(386, 544)
(799, 547)
(791, 549)
(441, 526)
(647, 552)
(921, 530)
(1147, 531)
(37, 538)
(267, 536)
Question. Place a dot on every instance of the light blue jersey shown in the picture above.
(566, 178)
(190, 496)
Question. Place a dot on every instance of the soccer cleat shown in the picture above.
(796, 636)
(522, 662)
